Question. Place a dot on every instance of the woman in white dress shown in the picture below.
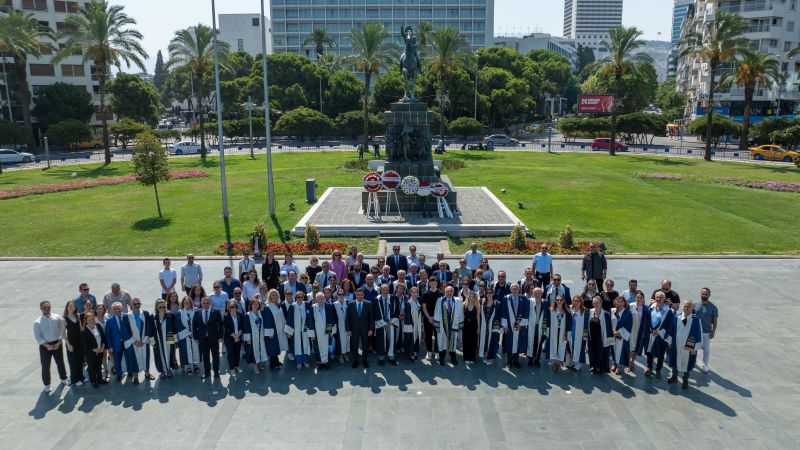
(254, 337)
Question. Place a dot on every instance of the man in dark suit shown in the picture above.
(396, 261)
(358, 276)
(359, 264)
(443, 275)
(423, 267)
(293, 284)
(359, 325)
(207, 329)
(412, 277)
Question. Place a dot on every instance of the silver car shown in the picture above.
(8, 156)
(185, 148)
(500, 140)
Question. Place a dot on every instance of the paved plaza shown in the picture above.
(749, 400)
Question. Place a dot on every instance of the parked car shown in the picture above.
(8, 156)
(500, 139)
(91, 143)
(774, 153)
(185, 148)
(605, 144)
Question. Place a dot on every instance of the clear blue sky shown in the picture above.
(158, 19)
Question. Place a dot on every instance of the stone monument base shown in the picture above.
(413, 203)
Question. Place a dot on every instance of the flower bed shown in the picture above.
(300, 248)
(532, 247)
(36, 189)
(661, 176)
(780, 186)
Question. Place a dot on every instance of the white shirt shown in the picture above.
(47, 329)
(246, 264)
(96, 336)
(473, 259)
(168, 276)
(543, 262)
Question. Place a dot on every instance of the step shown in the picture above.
(413, 236)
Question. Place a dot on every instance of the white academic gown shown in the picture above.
(321, 337)
(558, 333)
(298, 330)
(191, 344)
(341, 318)
(256, 337)
(682, 334)
(140, 353)
(415, 327)
(280, 326)
(448, 324)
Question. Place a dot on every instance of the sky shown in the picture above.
(159, 19)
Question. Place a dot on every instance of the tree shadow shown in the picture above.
(473, 156)
(82, 172)
(152, 223)
(227, 222)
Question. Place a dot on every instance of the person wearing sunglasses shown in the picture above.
(163, 338)
(137, 330)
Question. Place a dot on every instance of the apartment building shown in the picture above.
(587, 22)
(242, 32)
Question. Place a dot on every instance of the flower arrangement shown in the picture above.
(779, 186)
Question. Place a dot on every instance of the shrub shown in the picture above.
(517, 238)
(452, 164)
(311, 236)
(302, 122)
(721, 126)
(69, 133)
(565, 239)
(465, 127)
(356, 165)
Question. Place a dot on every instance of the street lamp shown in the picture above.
(270, 185)
(249, 105)
(220, 144)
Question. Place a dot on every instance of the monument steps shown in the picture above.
(413, 236)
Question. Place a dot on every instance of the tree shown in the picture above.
(343, 93)
(424, 30)
(753, 68)
(11, 134)
(134, 98)
(388, 89)
(639, 87)
(722, 126)
(192, 49)
(669, 99)
(371, 52)
(556, 69)
(352, 123)
(237, 65)
(302, 122)
(160, 73)
(449, 51)
(320, 38)
(69, 133)
(22, 36)
(125, 130)
(150, 163)
(621, 60)
(61, 101)
(101, 32)
(761, 131)
(789, 137)
(585, 57)
(717, 44)
(465, 127)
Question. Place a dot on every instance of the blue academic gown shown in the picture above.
(523, 311)
(677, 349)
(542, 333)
(657, 345)
(641, 332)
(624, 326)
(272, 344)
(145, 331)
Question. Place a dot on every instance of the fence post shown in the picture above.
(47, 151)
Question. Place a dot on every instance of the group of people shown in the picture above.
(343, 309)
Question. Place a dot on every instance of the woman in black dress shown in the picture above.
(472, 325)
(72, 334)
(600, 338)
(270, 271)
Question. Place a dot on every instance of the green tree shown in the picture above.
(465, 127)
(344, 91)
(448, 51)
(304, 122)
(101, 31)
(125, 130)
(788, 136)
(763, 130)
(11, 134)
(192, 49)
(237, 65)
(717, 44)
(388, 89)
(621, 60)
(423, 32)
(753, 68)
(371, 52)
(319, 38)
(21, 36)
(722, 126)
(61, 101)
(639, 87)
(352, 123)
(134, 98)
(556, 69)
(69, 133)
(177, 86)
(150, 163)
(669, 99)
(585, 58)
(160, 73)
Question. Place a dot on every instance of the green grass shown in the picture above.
(599, 196)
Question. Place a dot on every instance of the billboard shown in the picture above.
(595, 104)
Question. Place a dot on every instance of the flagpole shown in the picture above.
(270, 183)
(220, 143)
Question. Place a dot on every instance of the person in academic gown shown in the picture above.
(538, 317)
(386, 314)
(342, 339)
(253, 328)
(661, 317)
(233, 326)
(274, 313)
(297, 328)
(448, 318)
(398, 288)
(188, 346)
(601, 337)
(412, 324)
(322, 329)
(94, 346)
(578, 335)
(559, 324)
(163, 338)
(489, 341)
(137, 333)
(685, 338)
(623, 323)
(515, 313)
(640, 317)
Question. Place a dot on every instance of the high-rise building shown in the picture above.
(588, 22)
(242, 32)
(679, 11)
(293, 20)
(539, 41)
(773, 29)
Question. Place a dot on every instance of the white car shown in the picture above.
(500, 139)
(185, 148)
(8, 156)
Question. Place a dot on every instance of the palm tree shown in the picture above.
(320, 38)
(101, 31)
(22, 36)
(448, 51)
(370, 53)
(753, 68)
(621, 60)
(424, 30)
(193, 49)
(717, 44)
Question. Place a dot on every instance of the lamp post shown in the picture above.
(220, 144)
(249, 105)
(270, 185)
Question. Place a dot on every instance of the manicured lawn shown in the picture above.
(601, 197)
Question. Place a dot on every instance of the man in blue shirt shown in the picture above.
(219, 299)
(81, 299)
(229, 283)
(708, 314)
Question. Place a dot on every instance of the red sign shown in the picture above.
(391, 179)
(372, 182)
(439, 190)
(595, 104)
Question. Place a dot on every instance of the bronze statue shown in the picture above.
(410, 63)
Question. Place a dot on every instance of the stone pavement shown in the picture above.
(748, 401)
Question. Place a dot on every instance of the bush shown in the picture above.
(125, 130)
(517, 238)
(452, 164)
(302, 122)
(356, 165)
(721, 126)
(11, 134)
(351, 123)
(69, 133)
(311, 236)
(465, 127)
(565, 239)
(788, 136)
